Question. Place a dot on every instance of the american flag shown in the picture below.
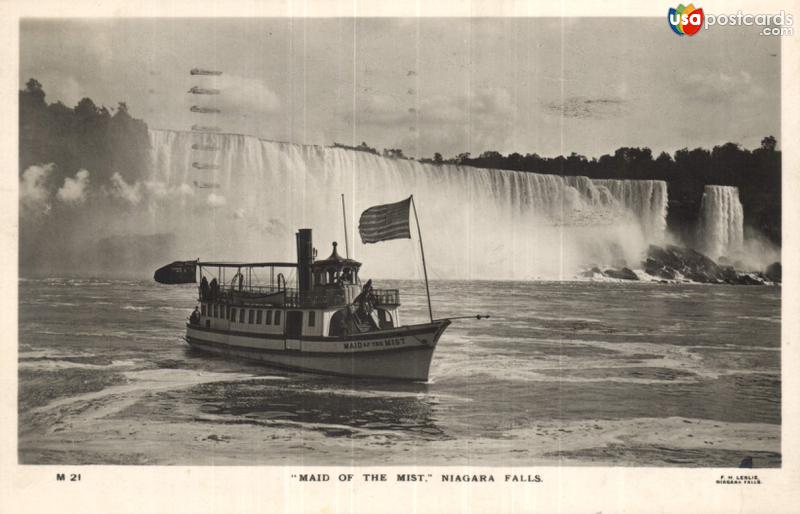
(384, 222)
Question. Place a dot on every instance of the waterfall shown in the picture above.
(721, 222)
(476, 223)
(646, 199)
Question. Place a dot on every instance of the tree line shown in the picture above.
(100, 139)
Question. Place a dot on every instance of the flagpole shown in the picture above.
(344, 219)
(422, 251)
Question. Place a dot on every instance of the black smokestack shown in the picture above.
(304, 259)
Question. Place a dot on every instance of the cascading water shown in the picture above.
(721, 222)
(476, 223)
(646, 199)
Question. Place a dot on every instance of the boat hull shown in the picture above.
(404, 353)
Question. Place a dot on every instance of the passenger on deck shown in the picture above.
(194, 319)
(214, 287)
(203, 288)
(341, 326)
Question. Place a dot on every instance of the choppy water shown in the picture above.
(573, 373)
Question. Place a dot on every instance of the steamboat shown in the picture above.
(329, 323)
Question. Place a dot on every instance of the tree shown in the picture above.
(437, 158)
(393, 153)
(34, 89)
(769, 143)
(86, 109)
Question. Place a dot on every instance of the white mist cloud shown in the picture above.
(161, 190)
(157, 189)
(32, 190)
(131, 193)
(74, 189)
(215, 200)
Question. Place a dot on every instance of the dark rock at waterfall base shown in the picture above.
(774, 272)
(753, 279)
(656, 269)
(622, 274)
(673, 262)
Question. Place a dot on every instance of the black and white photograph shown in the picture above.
(506, 243)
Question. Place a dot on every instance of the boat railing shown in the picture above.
(386, 297)
(292, 297)
(319, 298)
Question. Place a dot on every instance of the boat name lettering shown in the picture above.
(358, 345)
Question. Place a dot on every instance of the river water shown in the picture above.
(563, 373)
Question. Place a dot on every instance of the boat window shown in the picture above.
(251, 316)
(203, 309)
(233, 314)
(268, 321)
(216, 310)
(241, 315)
(277, 317)
(312, 318)
(259, 312)
(347, 276)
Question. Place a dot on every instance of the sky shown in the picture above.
(547, 85)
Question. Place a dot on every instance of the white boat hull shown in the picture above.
(402, 353)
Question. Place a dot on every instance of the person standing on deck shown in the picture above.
(203, 288)
(194, 318)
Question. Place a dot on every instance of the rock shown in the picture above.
(670, 261)
(623, 274)
(729, 274)
(665, 273)
(751, 279)
(651, 266)
(774, 272)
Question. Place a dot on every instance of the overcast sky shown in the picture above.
(548, 86)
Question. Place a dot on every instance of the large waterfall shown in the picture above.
(721, 222)
(476, 223)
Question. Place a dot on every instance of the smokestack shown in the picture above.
(304, 259)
